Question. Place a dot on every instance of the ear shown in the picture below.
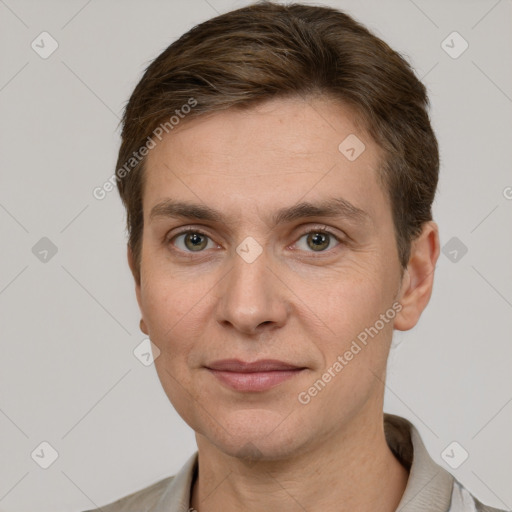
(418, 278)
(136, 277)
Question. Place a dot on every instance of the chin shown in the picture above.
(255, 434)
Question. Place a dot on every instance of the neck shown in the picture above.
(353, 469)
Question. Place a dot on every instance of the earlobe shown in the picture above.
(143, 327)
(418, 279)
(136, 275)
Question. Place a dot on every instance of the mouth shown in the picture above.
(253, 377)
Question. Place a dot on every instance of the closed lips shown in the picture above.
(257, 376)
(266, 365)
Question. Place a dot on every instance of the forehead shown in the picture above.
(281, 152)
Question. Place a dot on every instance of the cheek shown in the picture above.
(355, 350)
(170, 309)
(163, 306)
(350, 305)
(176, 309)
(167, 294)
(351, 299)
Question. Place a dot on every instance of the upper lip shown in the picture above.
(263, 365)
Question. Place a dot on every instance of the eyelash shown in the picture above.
(319, 229)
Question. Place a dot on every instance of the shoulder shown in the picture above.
(140, 501)
(464, 501)
(430, 487)
(168, 494)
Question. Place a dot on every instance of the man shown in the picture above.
(278, 168)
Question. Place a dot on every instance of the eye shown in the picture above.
(192, 240)
(318, 240)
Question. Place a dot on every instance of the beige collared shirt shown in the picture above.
(430, 487)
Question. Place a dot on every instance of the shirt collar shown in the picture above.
(429, 487)
(176, 498)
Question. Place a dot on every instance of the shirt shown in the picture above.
(430, 487)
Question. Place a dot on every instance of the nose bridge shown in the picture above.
(251, 295)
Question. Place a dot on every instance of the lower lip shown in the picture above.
(258, 381)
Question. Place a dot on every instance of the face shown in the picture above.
(265, 241)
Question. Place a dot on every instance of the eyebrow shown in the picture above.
(334, 207)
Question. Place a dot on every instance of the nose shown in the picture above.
(252, 298)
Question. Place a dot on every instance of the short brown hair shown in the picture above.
(265, 51)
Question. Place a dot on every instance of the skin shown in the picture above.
(263, 451)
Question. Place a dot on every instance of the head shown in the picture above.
(296, 148)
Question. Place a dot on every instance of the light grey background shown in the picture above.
(69, 326)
